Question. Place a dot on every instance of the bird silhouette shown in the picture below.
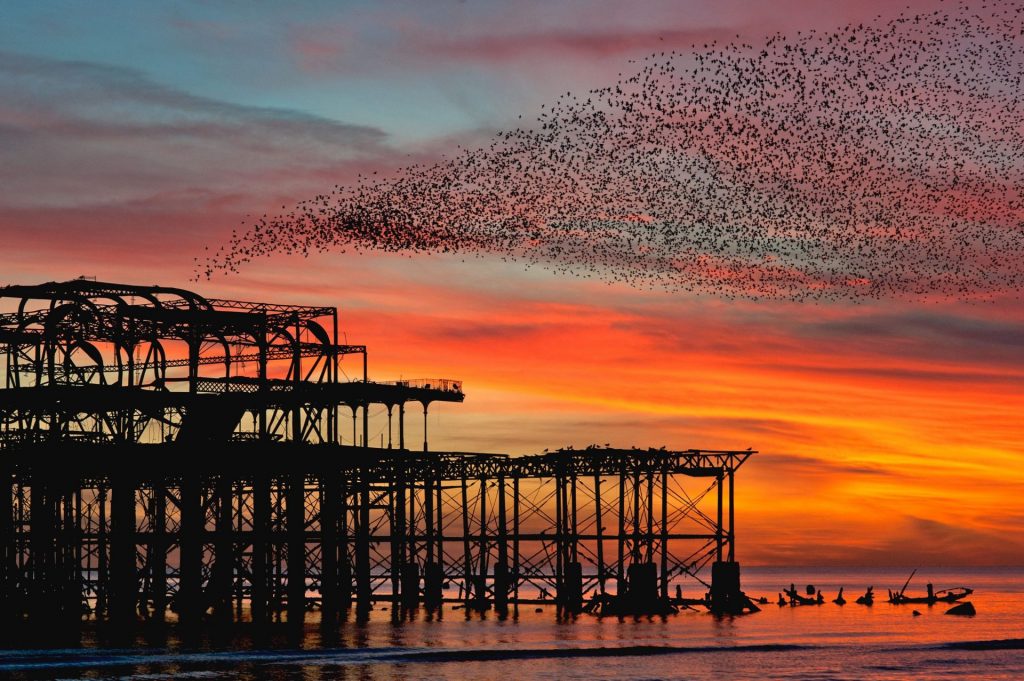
(875, 160)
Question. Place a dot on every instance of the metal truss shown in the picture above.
(166, 455)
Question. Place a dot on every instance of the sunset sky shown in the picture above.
(134, 136)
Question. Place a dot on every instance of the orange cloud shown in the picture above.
(893, 427)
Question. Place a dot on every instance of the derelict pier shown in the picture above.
(169, 456)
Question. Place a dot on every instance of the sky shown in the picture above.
(134, 136)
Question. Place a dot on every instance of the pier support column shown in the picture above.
(599, 527)
(355, 438)
(621, 585)
(222, 574)
(396, 505)
(501, 571)
(559, 542)
(732, 516)
(467, 556)
(726, 597)
(719, 530)
(501, 586)
(158, 552)
(663, 579)
(75, 596)
(296, 510)
(410, 586)
(102, 546)
(401, 425)
(190, 589)
(329, 492)
(7, 550)
(363, 592)
(41, 601)
(433, 585)
(438, 491)
(428, 514)
(515, 543)
(123, 578)
(259, 601)
(480, 588)
(425, 405)
(643, 587)
(571, 595)
(344, 543)
(366, 424)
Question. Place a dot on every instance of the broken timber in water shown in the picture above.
(966, 608)
(942, 596)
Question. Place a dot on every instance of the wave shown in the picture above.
(499, 654)
(36, 660)
(24, 660)
(997, 644)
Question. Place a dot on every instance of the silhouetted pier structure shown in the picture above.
(168, 455)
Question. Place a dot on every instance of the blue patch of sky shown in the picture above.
(244, 53)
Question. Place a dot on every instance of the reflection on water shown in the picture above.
(819, 642)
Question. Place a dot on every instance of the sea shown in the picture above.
(829, 641)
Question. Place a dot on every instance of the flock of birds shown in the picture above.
(874, 160)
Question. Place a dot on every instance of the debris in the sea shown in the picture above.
(966, 608)
(942, 596)
(796, 599)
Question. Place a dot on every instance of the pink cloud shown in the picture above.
(563, 43)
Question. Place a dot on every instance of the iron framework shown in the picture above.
(165, 454)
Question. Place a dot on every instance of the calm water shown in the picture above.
(809, 642)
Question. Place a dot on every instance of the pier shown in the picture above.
(170, 456)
